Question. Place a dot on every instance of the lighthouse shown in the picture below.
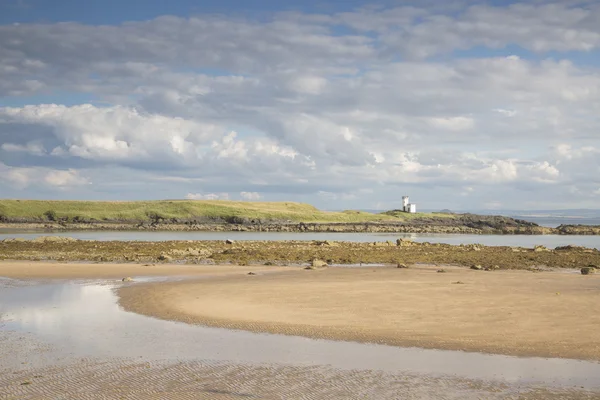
(407, 206)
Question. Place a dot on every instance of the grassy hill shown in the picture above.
(185, 210)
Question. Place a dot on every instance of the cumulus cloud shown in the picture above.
(250, 196)
(423, 98)
(110, 133)
(25, 177)
(207, 196)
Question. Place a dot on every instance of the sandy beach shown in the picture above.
(58, 270)
(124, 355)
(548, 314)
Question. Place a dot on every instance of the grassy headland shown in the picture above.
(181, 210)
(220, 215)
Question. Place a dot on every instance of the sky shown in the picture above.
(342, 104)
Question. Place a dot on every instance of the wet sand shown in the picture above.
(57, 270)
(522, 313)
(126, 379)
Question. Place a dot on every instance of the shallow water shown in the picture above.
(83, 319)
(550, 241)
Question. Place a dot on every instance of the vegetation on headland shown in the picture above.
(297, 252)
(219, 215)
(185, 210)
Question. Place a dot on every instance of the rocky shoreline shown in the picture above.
(450, 227)
(313, 253)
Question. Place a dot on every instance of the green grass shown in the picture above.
(184, 209)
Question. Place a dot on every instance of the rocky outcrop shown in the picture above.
(467, 223)
(305, 253)
(578, 230)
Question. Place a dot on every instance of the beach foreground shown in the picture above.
(549, 314)
(103, 351)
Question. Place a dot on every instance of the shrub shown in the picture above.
(50, 215)
(154, 216)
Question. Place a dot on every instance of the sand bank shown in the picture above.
(549, 314)
(57, 270)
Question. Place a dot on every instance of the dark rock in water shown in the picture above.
(441, 271)
(458, 283)
(128, 279)
(588, 270)
(251, 273)
(229, 241)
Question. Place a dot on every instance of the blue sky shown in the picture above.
(113, 12)
(343, 104)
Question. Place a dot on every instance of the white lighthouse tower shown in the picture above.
(405, 204)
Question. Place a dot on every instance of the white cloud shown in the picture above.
(508, 113)
(52, 178)
(293, 106)
(250, 196)
(112, 133)
(31, 148)
(65, 178)
(455, 124)
(207, 196)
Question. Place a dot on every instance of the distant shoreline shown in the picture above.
(240, 216)
(366, 227)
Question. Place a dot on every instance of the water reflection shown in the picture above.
(84, 320)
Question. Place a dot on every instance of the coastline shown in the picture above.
(296, 252)
(362, 227)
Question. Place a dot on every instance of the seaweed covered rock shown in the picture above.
(590, 269)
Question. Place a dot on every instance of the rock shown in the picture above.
(477, 267)
(539, 248)
(229, 241)
(441, 270)
(458, 283)
(251, 273)
(53, 239)
(588, 270)
(401, 266)
(164, 257)
(10, 240)
(193, 252)
(128, 279)
(404, 242)
(316, 263)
